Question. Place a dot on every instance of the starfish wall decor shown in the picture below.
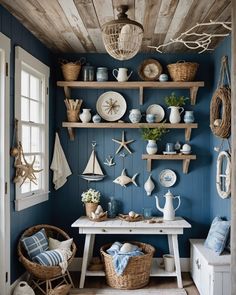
(123, 143)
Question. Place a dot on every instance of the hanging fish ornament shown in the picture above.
(123, 179)
(149, 185)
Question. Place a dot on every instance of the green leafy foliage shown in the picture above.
(175, 101)
(153, 133)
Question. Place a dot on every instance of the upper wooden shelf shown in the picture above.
(188, 127)
(185, 158)
(192, 86)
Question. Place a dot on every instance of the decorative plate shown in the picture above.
(156, 110)
(167, 178)
(150, 70)
(111, 106)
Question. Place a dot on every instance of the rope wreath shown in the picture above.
(220, 112)
(220, 109)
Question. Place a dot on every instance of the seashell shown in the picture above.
(149, 185)
(93, 215)
(136, 215)
(132, 214)
(127, 247)
(99, 210)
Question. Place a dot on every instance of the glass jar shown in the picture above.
(112, 209)
(87, 73)
(102, 74)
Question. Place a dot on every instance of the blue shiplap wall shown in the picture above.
(39, 213)
(218, 206)
(193, 188)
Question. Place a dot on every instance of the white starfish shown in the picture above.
(123, 143)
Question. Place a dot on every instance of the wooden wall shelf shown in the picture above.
(71, 125)
(185, 158)
(192, 86)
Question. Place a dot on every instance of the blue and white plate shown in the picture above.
(167, 178)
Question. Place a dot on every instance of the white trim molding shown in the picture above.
(5, 50)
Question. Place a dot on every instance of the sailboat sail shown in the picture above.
(93, 171)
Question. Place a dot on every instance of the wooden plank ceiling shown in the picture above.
(75, 25)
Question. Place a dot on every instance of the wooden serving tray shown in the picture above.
(126, 217)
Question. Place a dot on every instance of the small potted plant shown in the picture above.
(91, 199)
(152, 135)
(175, 104)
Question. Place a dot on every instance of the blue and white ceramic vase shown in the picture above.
(163, 78)
(135, 116)
(151, 147)
(188, 117)
(96, 119)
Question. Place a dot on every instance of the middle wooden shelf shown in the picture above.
(118, 125)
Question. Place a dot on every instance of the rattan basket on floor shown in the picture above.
(137, 272)
(183, 71)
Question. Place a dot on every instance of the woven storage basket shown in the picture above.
(61, 290)
(183, 71)
(37, 270)
(137, 272)
(71, 70)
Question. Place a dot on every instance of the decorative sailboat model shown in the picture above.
(93, 171)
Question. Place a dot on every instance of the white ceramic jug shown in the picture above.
(168, 210)
(23, 289)
(175, 113)
(122, 74)
(85, 116)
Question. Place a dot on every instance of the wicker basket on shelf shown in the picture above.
(183, 71)
(137, 272)
(71, 70)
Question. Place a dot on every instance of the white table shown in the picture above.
(116, 226)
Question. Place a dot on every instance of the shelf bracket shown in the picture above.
(71, 132)
(193, 94)
(149, 165)
(67, 92)
(188, 132)
(186, 163)
(141, 95)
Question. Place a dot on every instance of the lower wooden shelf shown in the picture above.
(117, 125)
(185, 158)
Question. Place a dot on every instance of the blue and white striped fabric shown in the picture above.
(36, 243)
(49, 258)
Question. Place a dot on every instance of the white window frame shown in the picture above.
(25, 60)
(5, 50)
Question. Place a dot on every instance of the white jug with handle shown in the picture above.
(122, 74)
(168, 210)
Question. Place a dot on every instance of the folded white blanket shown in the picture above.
(59, 165)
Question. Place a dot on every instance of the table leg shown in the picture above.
(88, 252)
(177, 260)
(171, 250)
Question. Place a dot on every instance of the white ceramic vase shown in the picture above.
(135, 116)
(175, 113)
(149, 185)
(151, 147)
(23, 289)
(85, 116)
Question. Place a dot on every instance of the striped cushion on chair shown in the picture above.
(49, 258)
(36, 243)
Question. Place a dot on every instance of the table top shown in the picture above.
(84, 222)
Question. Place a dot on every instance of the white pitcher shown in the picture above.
(168, 210)
(122, 74)
(175, 113)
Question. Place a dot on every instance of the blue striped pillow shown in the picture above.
(36, 243)
(49, 258)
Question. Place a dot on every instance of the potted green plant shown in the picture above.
(152, 135)
(175, 104)
(91, 199)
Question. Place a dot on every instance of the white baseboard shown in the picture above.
(77, 263)
(23, 277)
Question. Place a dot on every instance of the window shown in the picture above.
(31, 111)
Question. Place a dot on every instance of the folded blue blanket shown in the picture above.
(120, 259)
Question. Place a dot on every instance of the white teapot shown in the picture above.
(122, 74)
(168, 210)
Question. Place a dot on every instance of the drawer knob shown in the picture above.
(103, 230)
(161, 230)
(130, 230)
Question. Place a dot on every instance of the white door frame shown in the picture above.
(5, 48)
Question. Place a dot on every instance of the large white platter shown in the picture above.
(111, 106)
(167, 178)
(156, 110)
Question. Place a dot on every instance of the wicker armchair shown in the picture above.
(41, 277)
